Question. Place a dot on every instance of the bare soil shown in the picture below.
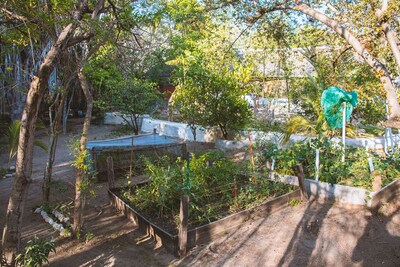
(309, 234)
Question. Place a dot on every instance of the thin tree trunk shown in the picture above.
(80, 176)
(67, 104)
(389, 34)
(54, 125)
(379, 68)
(80, 195)
(12, 229)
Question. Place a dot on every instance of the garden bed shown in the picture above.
(206, 232)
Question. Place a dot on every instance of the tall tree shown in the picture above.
(367, 26)
(66, 23)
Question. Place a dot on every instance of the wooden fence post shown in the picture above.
(184, 149)
(183, 225)
(94, 158)
(302, 184)
(110, 173)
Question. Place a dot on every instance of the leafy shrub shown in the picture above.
(214, 182)
(36, 252)
(353, 172)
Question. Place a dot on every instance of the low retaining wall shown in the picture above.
(374, 143)
(346, 194)
(205, 233)
(182, 131)
(339, 193)
(387, 194)
(168, 128)
(179, 130)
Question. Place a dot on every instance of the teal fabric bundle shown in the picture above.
(332, 101)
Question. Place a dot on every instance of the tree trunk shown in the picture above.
(12, 229)
(224, 131)
(389, 34)
(135, 123)
(379, 68)
(67, 104)
(54, 128)
(80, 176)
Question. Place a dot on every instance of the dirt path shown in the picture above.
(313, 234)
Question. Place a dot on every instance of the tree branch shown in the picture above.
(79, 38)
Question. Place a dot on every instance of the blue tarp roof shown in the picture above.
(138, 140)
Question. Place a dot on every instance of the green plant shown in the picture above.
(353, 172)
(294, 202)
(83, 163)
(2, 172)
(78, 234)
(64, 207)
(12, 135)
(66, 232)
(210, 96)
(36, 252)
(214, 181)
(89, 236)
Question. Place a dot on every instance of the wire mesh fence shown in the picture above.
(123, 157)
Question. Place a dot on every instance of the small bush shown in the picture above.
(353, 172)
(36, 253)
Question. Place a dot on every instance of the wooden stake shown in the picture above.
(110, 173)
(251, 150)
(131, 164)
(300, 175)
(183, 225)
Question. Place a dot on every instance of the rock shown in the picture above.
(8, 175)
(11, 169)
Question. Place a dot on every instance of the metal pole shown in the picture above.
(344, 131)
(316, 164)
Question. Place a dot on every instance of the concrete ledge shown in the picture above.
(386, 194)
(374, 143)
(182, 131)
(339, 193)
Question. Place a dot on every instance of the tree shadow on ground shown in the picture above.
(116, 242)
(211, 250)
(123, 250)
(304, 239)
(378, 246)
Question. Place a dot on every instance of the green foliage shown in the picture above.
(89, 236)
(2, 172)
(212, 183)
(81, 157)
(132, 97)
(209, 97)
(83, 163)
(353, 172)
(12, 135)
(36, 253)
(294, 202)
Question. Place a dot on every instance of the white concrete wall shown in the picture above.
(338, 193)
(374, 143)
(182, 131)
(113, 118)
(179, 130)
